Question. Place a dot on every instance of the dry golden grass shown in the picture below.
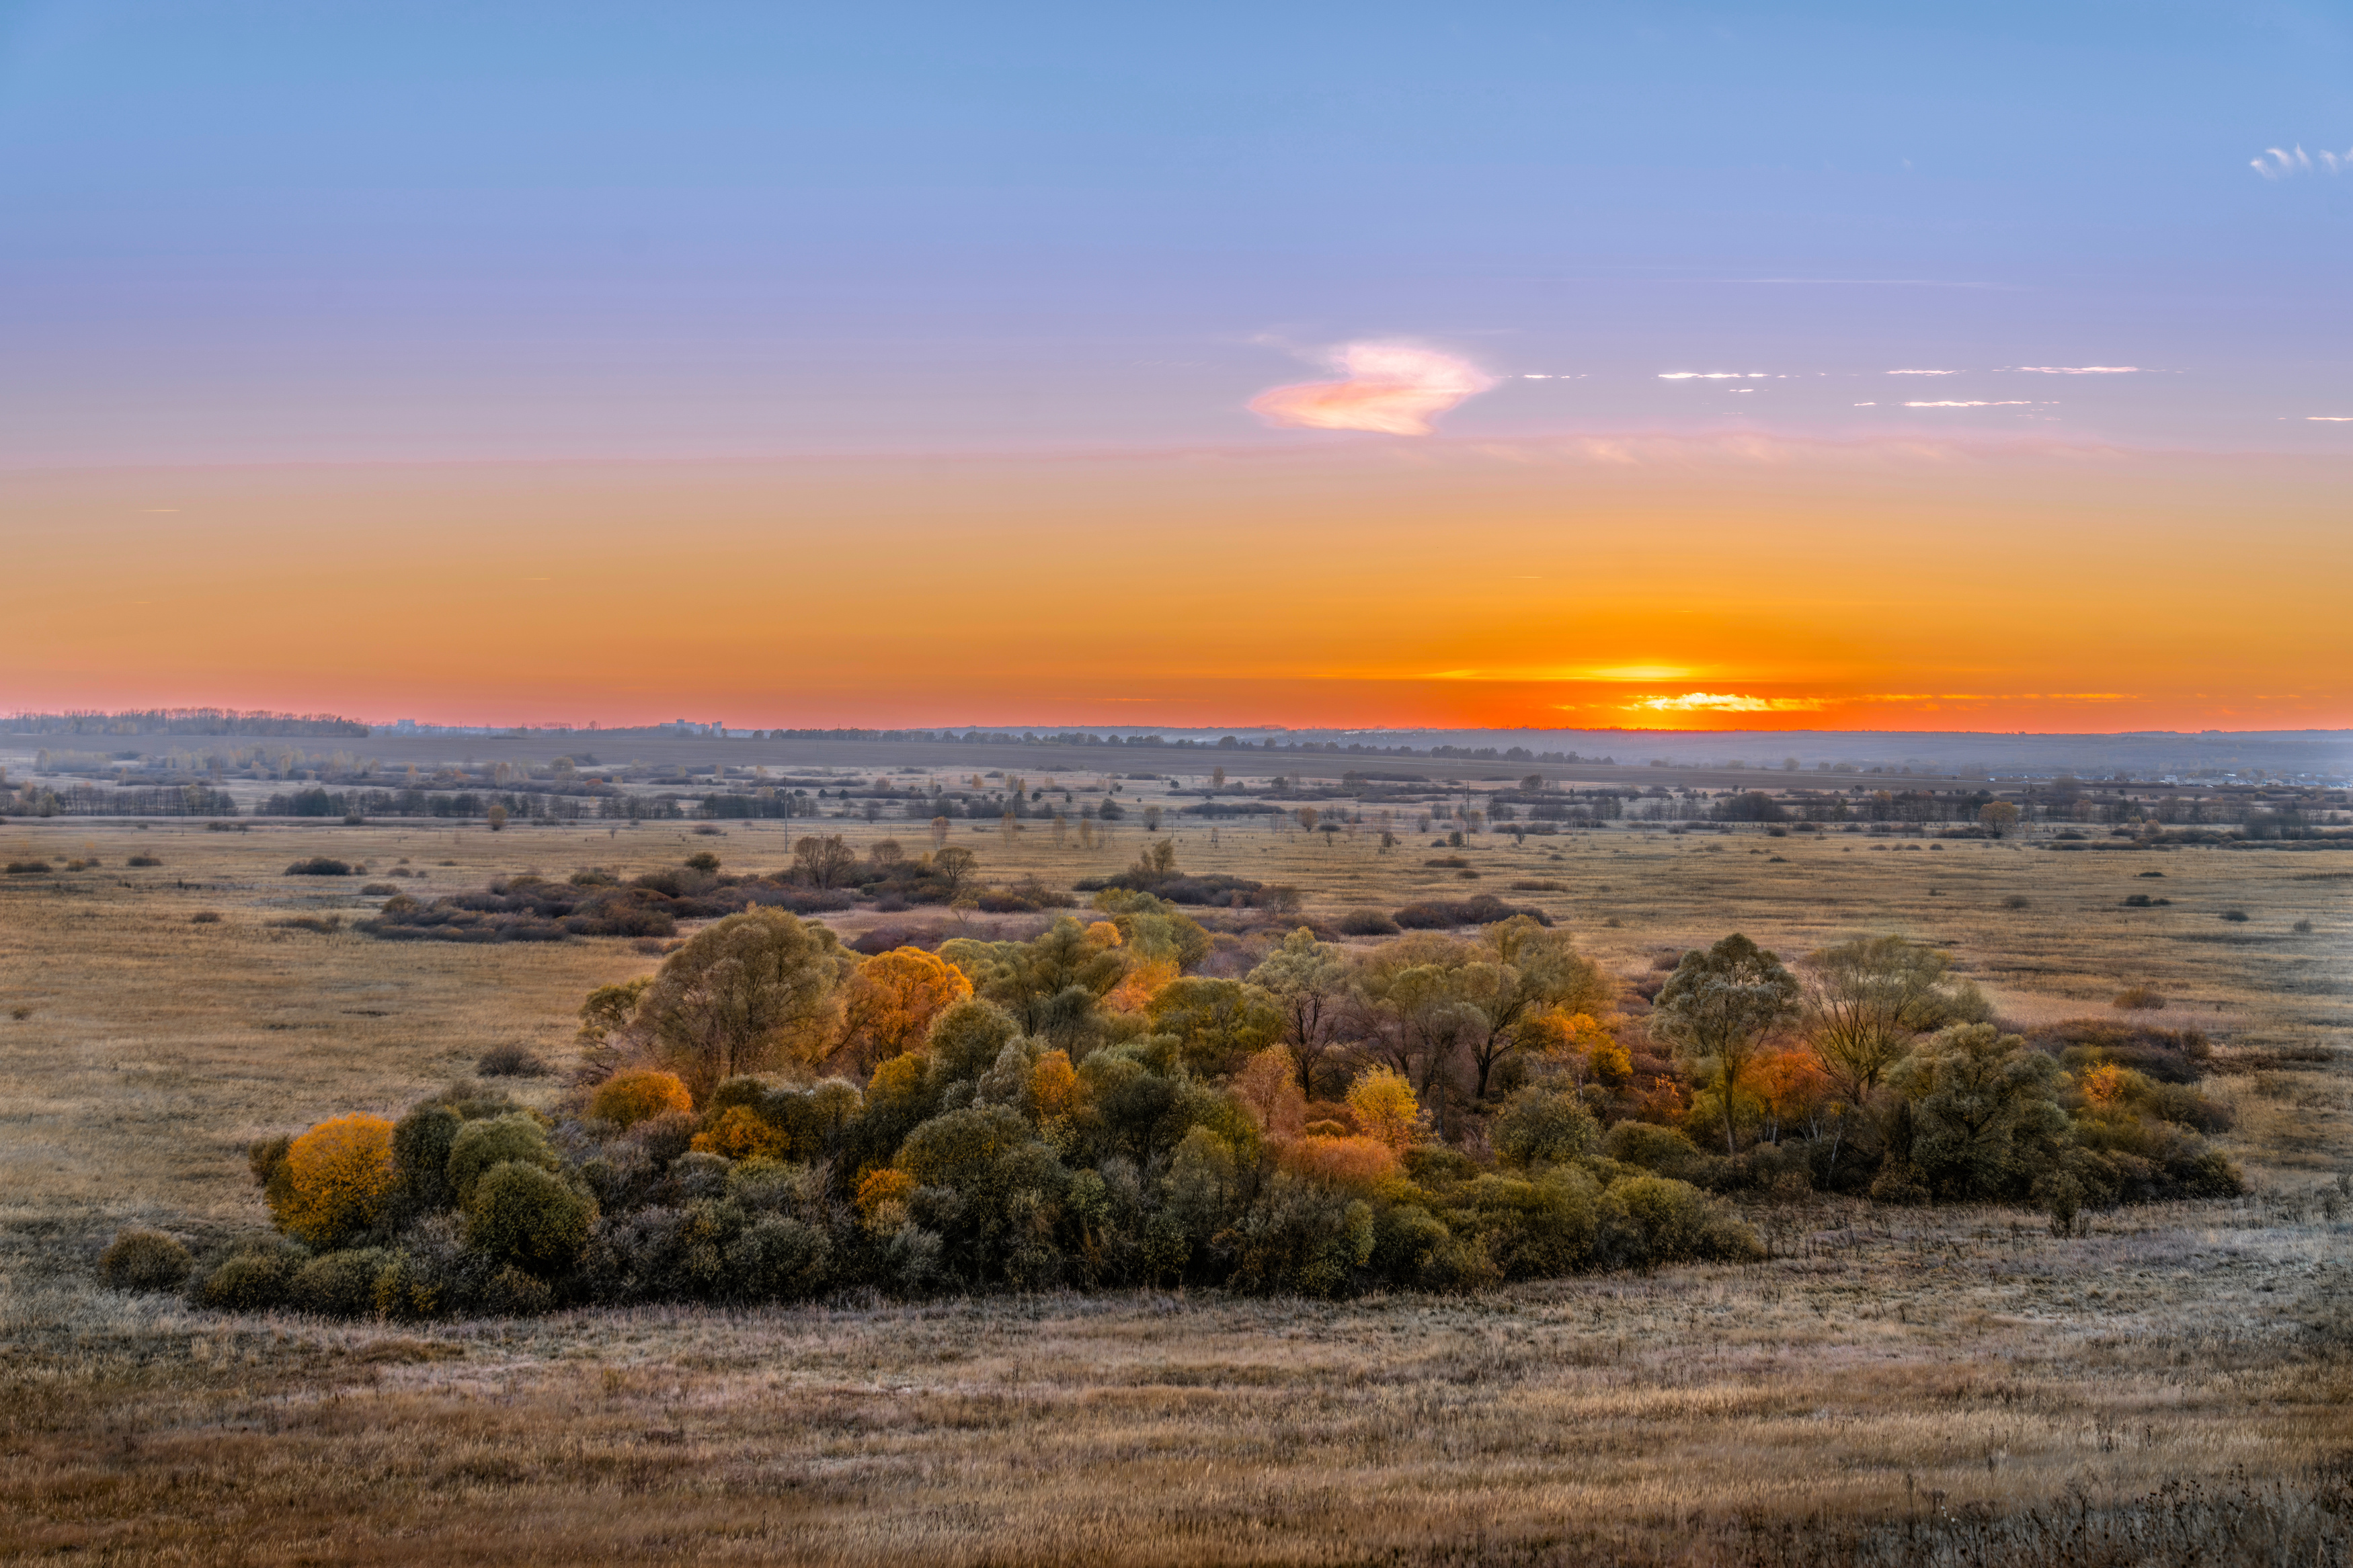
(1881, 1358)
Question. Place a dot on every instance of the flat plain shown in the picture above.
(1883, 1367)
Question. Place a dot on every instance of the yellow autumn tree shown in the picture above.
(334, 1179)
(1386, 1109)
(889, 1003)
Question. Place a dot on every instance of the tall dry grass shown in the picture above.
(1892, 1387)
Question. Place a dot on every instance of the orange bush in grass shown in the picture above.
(741, 1133)
(629, 1097)
(334, 1179)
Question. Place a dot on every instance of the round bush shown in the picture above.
(339, 1285)
(516, 1138)
(1544, 1126)
(1367, 923)
(334, 1179)
(143, 1259)
(527, 1218)
(629, 1097)
(249, 1282)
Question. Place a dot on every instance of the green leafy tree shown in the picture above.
(746, 992)
(1719, 1005)
(1220, 1021)
(1985, 1113)
(1313, 982)
(1867, 999)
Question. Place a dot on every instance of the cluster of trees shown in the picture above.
(89, 800)
(1871, 1068)
(1083, 1109)
(1131, 1098)
(826, 874)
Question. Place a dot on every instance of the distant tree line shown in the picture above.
(182, 721)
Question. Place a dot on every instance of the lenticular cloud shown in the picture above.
(1391, 388)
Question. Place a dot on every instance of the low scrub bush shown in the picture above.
(143, 1259)
(1482, 910)
(143, 860)
(510, 1060)
(319, 866)
(1367, 923)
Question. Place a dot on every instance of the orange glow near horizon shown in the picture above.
(1642, 583)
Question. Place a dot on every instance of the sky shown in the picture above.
(1814, 366)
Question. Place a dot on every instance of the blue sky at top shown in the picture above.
(235, 232)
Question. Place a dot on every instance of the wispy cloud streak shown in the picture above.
(2278, 163)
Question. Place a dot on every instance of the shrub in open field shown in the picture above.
(320, 866)
(140, 1258)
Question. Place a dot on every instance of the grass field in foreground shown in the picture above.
(1881, 1358)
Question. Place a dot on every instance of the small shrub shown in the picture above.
(527, 1218)
(629, 1097)
(2138, 999)
(707, 831)
(143, 860)
(1366, 922)
(253, 1280)
(319, 866)
(323, 925)
(2017, 901)
(379, 891)
(205, 917)
(510, 1060)
(2236, 917)
(28, 867)
(143, 1259)
(340, 1284)
(2302, 928)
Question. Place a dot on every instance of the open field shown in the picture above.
(1881, 1360)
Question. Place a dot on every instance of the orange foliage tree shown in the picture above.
(1054, 1086)
(889, 1003)
(1386, 1109)
(1268, 1087)
(334, 1179)
(1792, 1086)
